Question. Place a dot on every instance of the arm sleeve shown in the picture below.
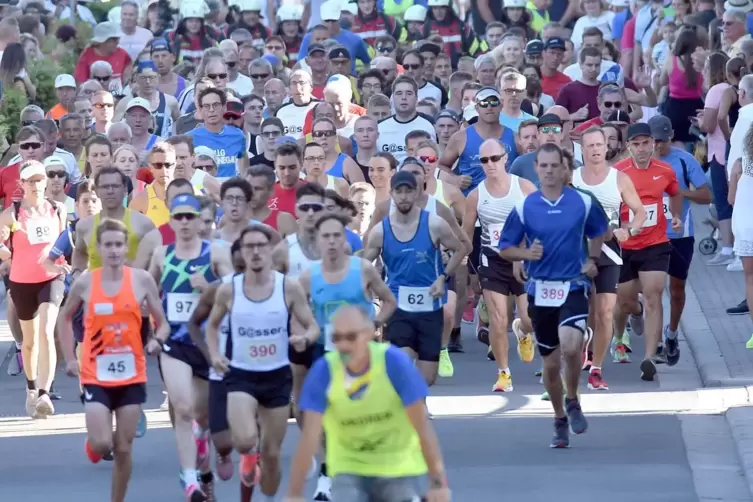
(314, 391)
(62, 245)
(513, 231)
(405, 377)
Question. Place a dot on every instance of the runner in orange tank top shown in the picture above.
(645, 255)
(113, 365)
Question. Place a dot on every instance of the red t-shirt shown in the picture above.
(272, 219)
(119, 60)
(651, 185)
(552, 85)
(167, 233)
(284, 199)
(10, 185)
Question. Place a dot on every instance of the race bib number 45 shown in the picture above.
(180, 306)
(411, 299)
(117, 367)
(551, 293)
(652, 216)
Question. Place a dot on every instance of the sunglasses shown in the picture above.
(492, 158)
(323, 134)
(612, 104)
(101, 79)
(350, 337)
(416, 66)
(103, 105)
(488, 103)
(310, 207)
(549, 129)
(385, 49)
(259, 76)
(216, 76)
(56, 174)
(33, 145)
(184, 217)
(162, 165)
(428, 158)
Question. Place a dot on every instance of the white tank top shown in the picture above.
(224, 331)
(493, 211)
(431, 205)
(607, 192)
(298, 262)
(259, 330)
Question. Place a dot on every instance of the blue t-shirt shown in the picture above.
(687, 169)
(229, 145)
(356, 244)
(354, 43)
(514, 123)
(403, 374)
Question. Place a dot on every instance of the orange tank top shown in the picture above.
(113, 352)
(33, 237)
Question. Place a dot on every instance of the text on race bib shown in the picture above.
(412, 299)
(551, 293)
(652, 216)
(180, 306)
(39, 231)
(116, 367)
(667, 211)
(495, 231)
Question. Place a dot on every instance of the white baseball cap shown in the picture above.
(65, 80)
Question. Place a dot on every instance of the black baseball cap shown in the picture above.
(534, 48)
(338, 53)
(404, 178)
(554, 43)
(549, 119)
(315, 48)
(639, 129)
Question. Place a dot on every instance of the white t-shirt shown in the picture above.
(133, 44)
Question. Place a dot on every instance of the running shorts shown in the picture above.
(114, 397)
(27, 297)
(649, 259)
(495, 274)
(419, 331)
(189, 354)
(680, 256)
(271, 389)
(547, 321)
(217, 406)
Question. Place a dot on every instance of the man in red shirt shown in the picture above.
(552, 80)
(30, 147)
(645, 255)
(288, 163)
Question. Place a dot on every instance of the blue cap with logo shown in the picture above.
(185, 204)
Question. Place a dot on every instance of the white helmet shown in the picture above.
(289, 13)
(251, 5)
(415, 13)
(439, 3)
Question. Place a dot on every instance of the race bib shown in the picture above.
(329, 344)
(667, 212)
(651, 215)
(411, 299)
(551, 293)
(116, 367)
(180, 306)
(39, 231)
(495, 230)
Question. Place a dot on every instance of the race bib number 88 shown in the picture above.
(411, 299)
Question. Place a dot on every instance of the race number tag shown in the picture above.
(667, 211)
(551, 293)
(651, 215)
(329, 344)
(39, 231)
(411, 299)
(116, 367)
(180, 306)
(495, 230)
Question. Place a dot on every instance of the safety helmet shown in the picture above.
(415, 13)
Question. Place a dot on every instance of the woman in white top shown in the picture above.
(597, 15)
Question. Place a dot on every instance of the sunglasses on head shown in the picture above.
(162, 165)
(32, 145)
(323, 134)
(184, 217)
(612, 104)
(310, 207)
(350, 336)
(56, 174)
(103, 105)
(488, 103)
(548, 129)
(428, 158)
(216, 76)
(491, 158)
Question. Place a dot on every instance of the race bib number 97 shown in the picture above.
(551, 293)
(180, 306)
(116, 367)
(411, 299)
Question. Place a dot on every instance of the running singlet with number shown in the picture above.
(112, 351)
(561, 226)
(651, 185)
(95, 260)
(493, 212)
(156, 209)
(259, 330)
(327, 297)
(32, 244)
(412, 267)
(179, 298)
(224, 332)
(297, 260)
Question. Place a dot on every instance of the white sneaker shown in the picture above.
(31, 403)
(735, 266)
(44, 406)
(323, 489)
(721, 259)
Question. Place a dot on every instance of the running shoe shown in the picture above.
(93, 456)
(561, 438)
(672, 348)
(201, 438)
(224, 467)
(31, 403)
(194, 493)
(482, 335)
(248, 467)
(44, 406)
(490, 354)
(323, 489)
(469, 314)
(596, 382)
(446, 369)
(504, 382)
(648, 370)
(525, 342)
(749, 343)
(16, 363)
(578, 422)
(636, 321)
(165, 404)
(483, 312)
(141, 426)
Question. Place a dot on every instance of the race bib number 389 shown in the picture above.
(117, 367)
(180, 306)
(410, 299)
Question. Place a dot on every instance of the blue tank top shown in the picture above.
(412, 267)
(469, 163)
(327, 297)
(179, 298)
(337, 167)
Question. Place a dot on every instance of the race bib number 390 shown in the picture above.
(117, 367)
(652, 215)
(551, 293)
(411, 299)
(180, 306)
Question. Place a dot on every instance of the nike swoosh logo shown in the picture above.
(88, 396)
(657, 178)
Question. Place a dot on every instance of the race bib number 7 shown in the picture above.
(652, 216)
(551, 293)
(180, 306)
(116, 367)
(411, 299)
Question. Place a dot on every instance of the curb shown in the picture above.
(739, 420)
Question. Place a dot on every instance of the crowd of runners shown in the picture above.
(295, 209)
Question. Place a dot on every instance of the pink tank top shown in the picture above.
(33, 239)
(678, 87)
